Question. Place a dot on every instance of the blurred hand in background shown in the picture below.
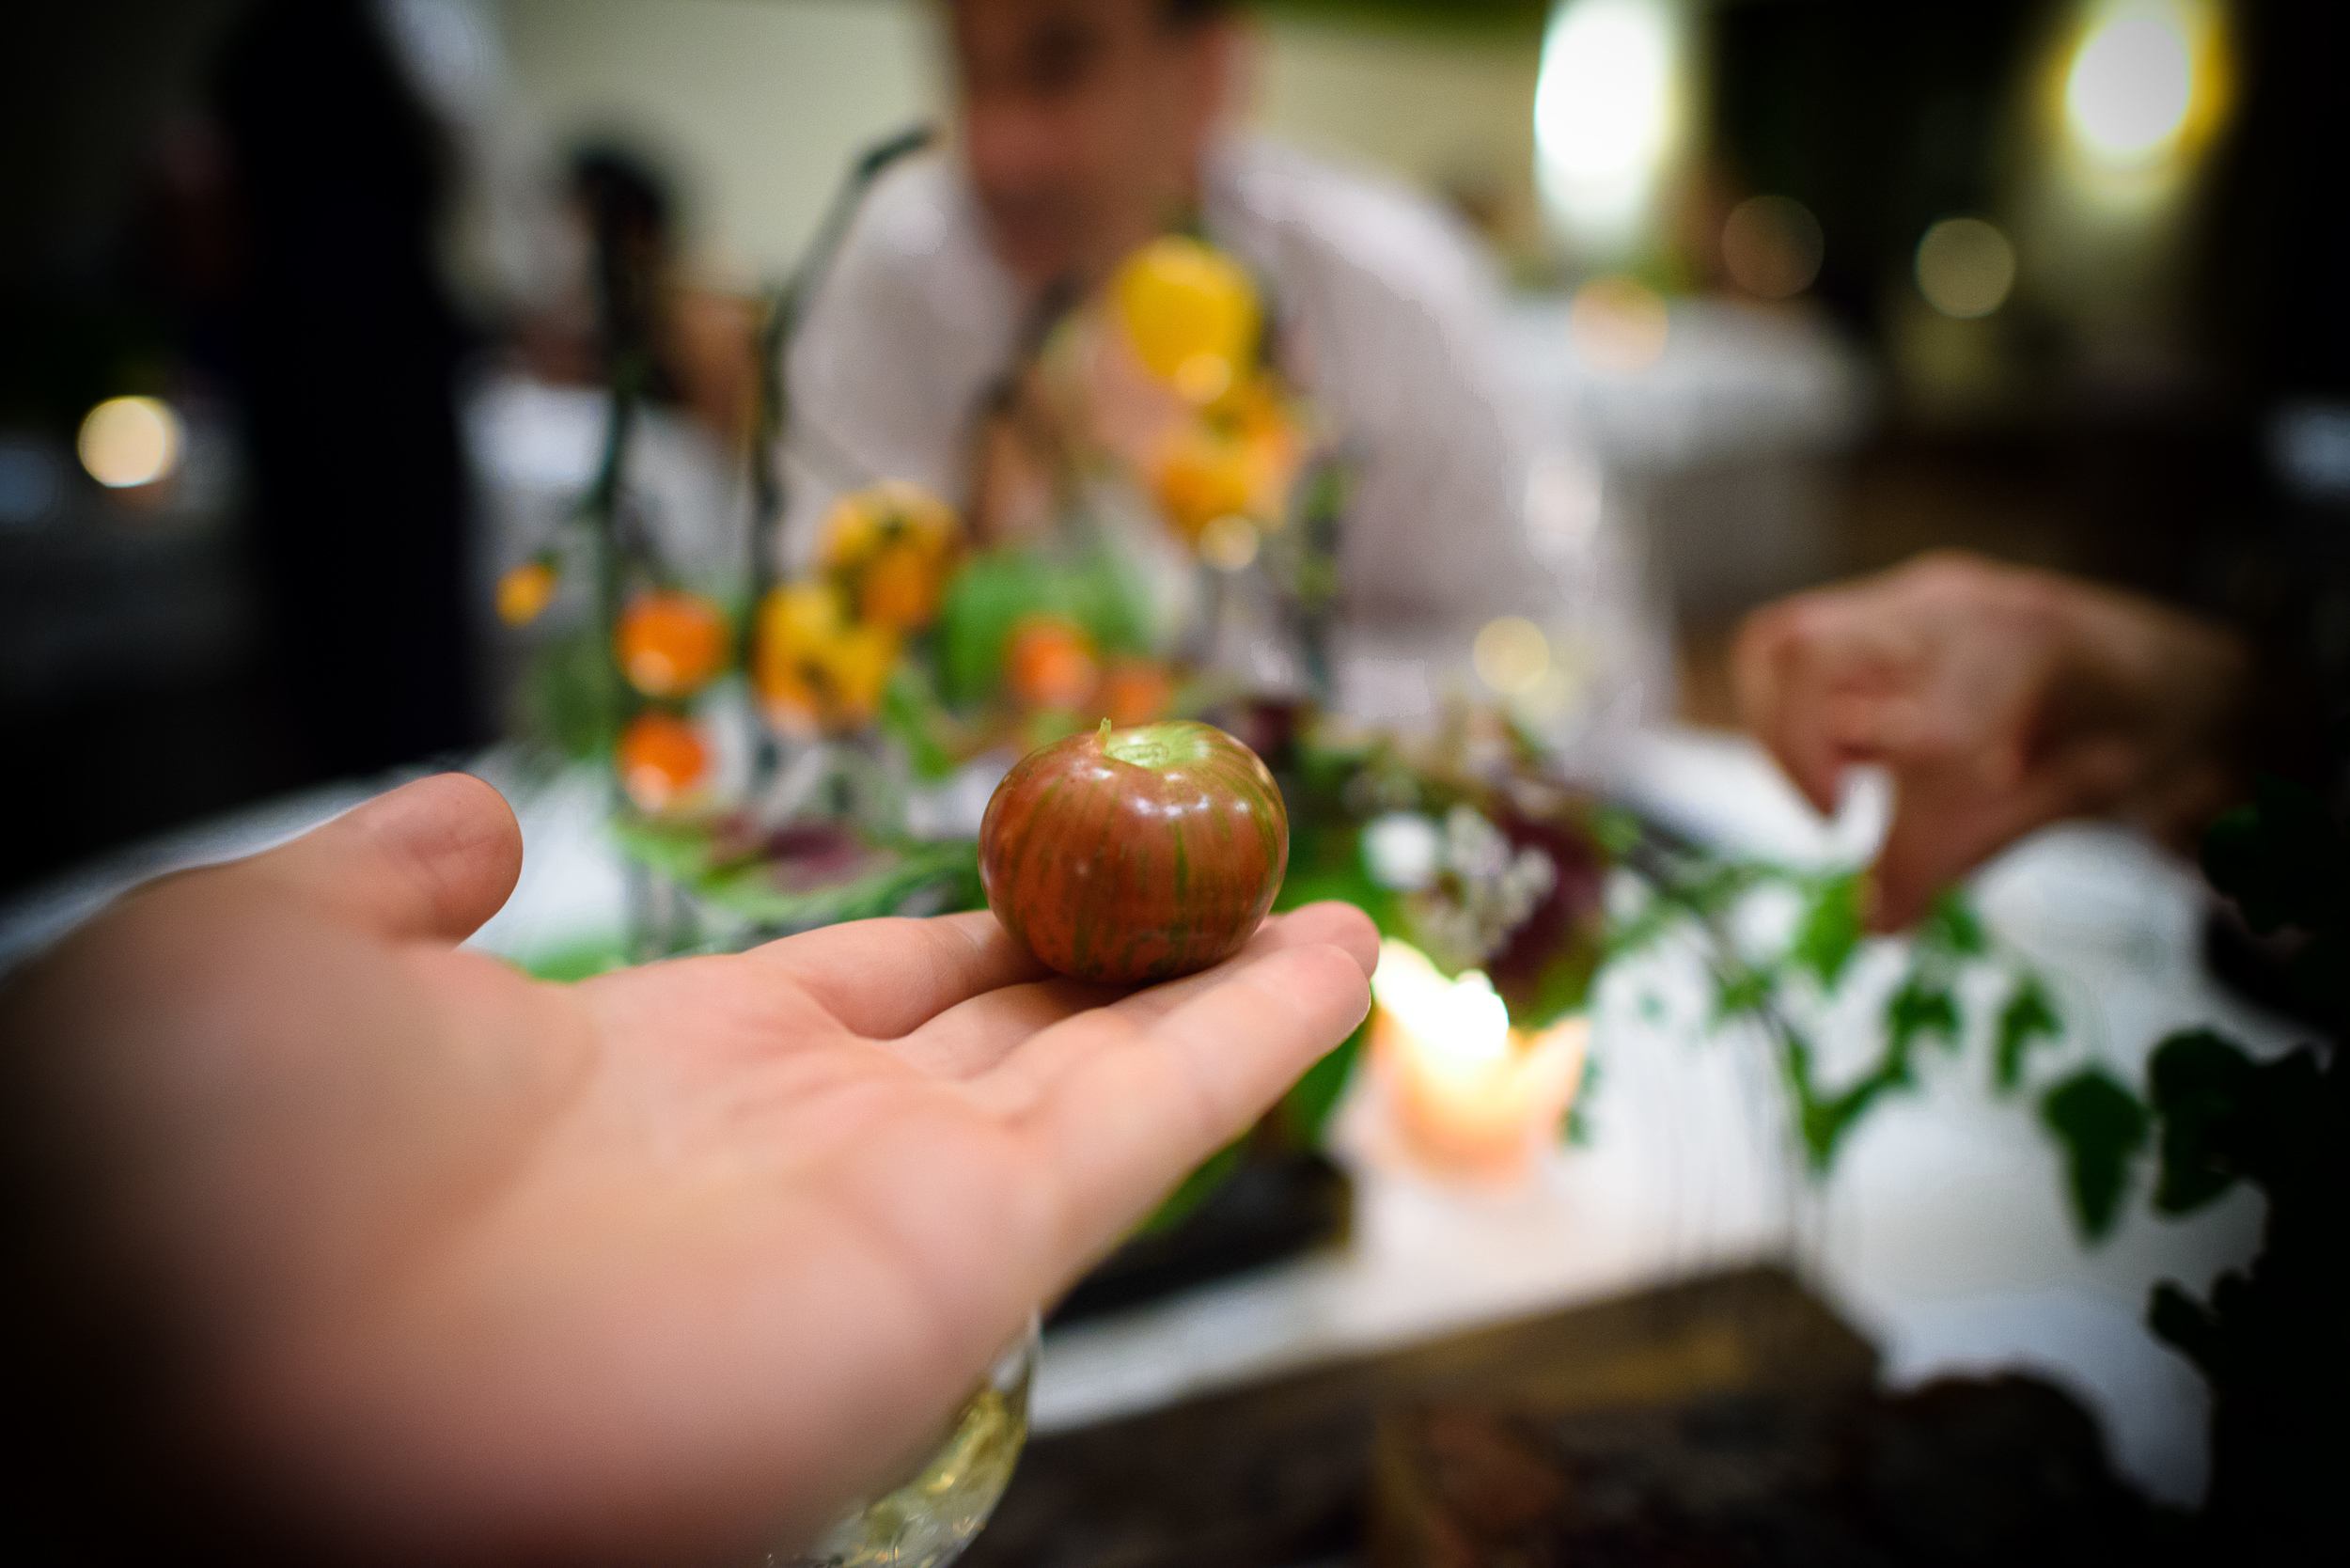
(2001, 699)
(383, 1249)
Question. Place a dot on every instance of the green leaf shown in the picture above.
(1576, 1128)
(566, 695)
(912, 714)
(2027, 1018)
(995, 591)
(2188, 1325)
(2103, 1127)
(1951, 926)
(1638, 929)
(1741, 991)
(1823, 1120)
(2198, 1082)
(1919, 1007)
(1832, 930)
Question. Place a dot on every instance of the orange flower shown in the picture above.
(1202, 475)
(525, 591)
(1049, 663)
(661, 759)
(671, 644)
(816, 668)
(1136, 691)
(902, 588)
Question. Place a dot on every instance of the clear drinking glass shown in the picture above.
(926, 1520)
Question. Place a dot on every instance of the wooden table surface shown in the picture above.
(1278, 1473)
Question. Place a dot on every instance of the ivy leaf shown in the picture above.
(1951, 926)
(2189, 1326)
(1832, 930)
(1741, 991)
(1919, 1007)
(1823, 1119)
(2103, 1127)
(2026, 1017)
(2198, 1080)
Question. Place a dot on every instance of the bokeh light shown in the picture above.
(1965, 267)
(2131, 82)
(127, 442)
(1772, 247)
(1511, 656)
(1606, 114)
(1617, 324)
(1228, 544)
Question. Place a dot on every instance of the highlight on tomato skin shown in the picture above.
(1130, 856)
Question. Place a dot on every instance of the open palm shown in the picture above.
(668, 1263)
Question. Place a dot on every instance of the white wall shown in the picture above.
(754, 104)
(757, 103)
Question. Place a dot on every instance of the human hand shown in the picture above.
(2001, 699)
(670, 1264)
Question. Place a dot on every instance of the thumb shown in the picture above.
(428, 861)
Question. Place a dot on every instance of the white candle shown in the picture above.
(1469, 1096)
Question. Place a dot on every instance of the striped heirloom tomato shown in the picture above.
(1134, 855)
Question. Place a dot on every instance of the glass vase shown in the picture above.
(926, 1520)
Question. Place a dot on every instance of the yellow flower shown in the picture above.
(1191, 313)
(816, 668)
(525, 591)
(892, 544)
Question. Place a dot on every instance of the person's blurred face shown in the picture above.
(1083, 123)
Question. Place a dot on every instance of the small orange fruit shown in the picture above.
(1049, 663)
(671, 644)
(661, 759)
(525, 591)
(1136, 691)
(1202, 475)
(902, 588)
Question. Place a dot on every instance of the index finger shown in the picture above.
(1127, 1120)
(1782, 669)
(886, 978)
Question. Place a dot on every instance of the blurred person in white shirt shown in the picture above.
(1084, 129)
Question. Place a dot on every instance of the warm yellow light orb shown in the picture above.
(1511, 656)
(127, 442)
(2132, 79)
(1965, 267)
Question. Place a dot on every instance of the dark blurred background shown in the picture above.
(297, 236)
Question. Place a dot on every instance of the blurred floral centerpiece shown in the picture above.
(1151, 532)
